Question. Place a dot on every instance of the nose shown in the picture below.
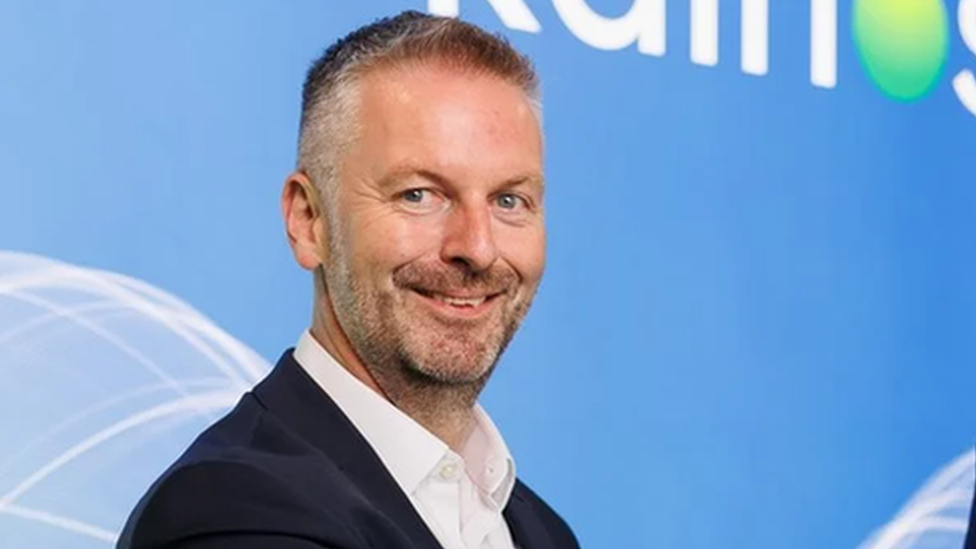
(469, 239)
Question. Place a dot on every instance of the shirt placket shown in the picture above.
(440, 497)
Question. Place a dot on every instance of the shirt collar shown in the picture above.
(408, 450)
(488, 461)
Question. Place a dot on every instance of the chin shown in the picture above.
(452, 369)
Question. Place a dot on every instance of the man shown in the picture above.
(417, 205)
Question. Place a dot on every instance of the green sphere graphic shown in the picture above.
(903, 44)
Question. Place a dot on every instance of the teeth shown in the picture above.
(460, 302)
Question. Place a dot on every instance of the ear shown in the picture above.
(304, 222)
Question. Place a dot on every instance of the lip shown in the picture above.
(457, 311)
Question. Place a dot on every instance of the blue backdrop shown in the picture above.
(757, 323)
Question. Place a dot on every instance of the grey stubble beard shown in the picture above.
(424, 391)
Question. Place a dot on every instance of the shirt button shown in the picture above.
(449, 471)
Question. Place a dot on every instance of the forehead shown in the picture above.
(447, 119)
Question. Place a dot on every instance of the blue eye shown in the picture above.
(415, 195)
(509, 201)
(421, 200)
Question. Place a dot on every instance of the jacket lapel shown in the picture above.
(299, 402)
(527, 530)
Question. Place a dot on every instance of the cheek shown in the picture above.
(525, 250)
(385, 242)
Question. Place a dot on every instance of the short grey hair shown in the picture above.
(329, 94)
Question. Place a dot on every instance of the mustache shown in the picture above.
(444, 278)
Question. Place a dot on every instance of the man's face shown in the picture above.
(436, 240)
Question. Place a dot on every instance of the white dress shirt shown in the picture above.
(459, 497)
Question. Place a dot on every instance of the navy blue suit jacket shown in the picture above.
(285, 469)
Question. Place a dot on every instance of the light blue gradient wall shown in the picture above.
(757, 325)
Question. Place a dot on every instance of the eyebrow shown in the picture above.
(530, 180)
(401, 174)
(409, 172)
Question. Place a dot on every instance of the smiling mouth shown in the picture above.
(460, 302)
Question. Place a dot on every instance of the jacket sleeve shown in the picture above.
(217, 505)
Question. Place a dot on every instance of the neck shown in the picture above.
(447, 411)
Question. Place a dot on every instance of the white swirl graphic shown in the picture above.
(105, 381)
(937, 516)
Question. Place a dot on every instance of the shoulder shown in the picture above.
(562, 535)
(230, 498)
(243, 475)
